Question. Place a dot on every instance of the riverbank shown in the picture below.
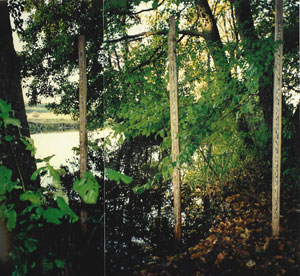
(240, 241)
(42, 120)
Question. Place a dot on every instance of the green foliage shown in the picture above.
(116, 176)
(60, 263)
(5, 110)
(29, 143)
(33, 197)
(6, 119)
(38, 207)
(140, 189)
(36, 210)
(7, 210)
(87, 187)
(67, 211)
(53, 215)
(7, 185)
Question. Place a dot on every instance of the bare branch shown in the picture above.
(148, 61)
(147, 34)
(146, 10)
(137, 36)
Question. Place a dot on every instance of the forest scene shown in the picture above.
(171, 137)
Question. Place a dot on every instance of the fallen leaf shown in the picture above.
(220, 257)
(143, 272)
(281, 247)
(250, 263)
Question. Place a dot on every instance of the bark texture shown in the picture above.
(13, 154)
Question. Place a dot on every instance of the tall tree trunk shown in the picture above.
(247, 31)
(13, 154)
(211, 33)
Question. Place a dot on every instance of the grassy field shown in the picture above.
(42, 120)
(40, 114)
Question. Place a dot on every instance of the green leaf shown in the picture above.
(37, 172)
(62, 205)
(29, 143)
(12, 121)
(118, 3)
(32, 197)
(62, 194)
(87, 187)
(141, 189)
(155, 4)
(53, 215)
(11, 219)
(47, 265)
(8, 138)
(30, 244)
(60, 263)
(39, 211)
(55, 177)
(138, 189)
(116, 176)
(4, 107)
(48, 158)
(7, 185)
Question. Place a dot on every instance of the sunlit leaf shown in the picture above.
(66, 209)
(116, 176)
(32, 197)
(48, 158)
(87, 187)
(37, 172)
(55, 177)
(29, 143)
(12, 121)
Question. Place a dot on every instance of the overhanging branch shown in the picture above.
(161, 32)
(151, 9)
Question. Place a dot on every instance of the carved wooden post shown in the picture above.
(277, 109)
(174, 127)
(82, 118)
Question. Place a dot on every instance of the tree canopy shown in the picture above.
(225, 60)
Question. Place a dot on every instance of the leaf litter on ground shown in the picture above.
(241, 242)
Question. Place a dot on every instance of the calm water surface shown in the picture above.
(58, 143)
(61, 144)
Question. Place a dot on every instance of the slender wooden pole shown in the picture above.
(82, 104)
(277, 110)
(82, 118)
(174, 127)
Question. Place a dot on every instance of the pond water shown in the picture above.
(137, 227)
(58, 143)
(61, 143)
